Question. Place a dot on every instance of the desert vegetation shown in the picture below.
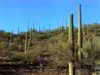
(63, 46)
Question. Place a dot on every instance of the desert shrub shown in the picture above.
(27, 57)
(59, 53)
(91, 50)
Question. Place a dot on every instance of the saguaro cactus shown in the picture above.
(79, 33)
(79, 38)
(79, 27)
(71, 36)
(71, 28)
(71, 41)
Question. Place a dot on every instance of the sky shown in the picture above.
(45, 13)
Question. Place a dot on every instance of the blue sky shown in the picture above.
(16, 13)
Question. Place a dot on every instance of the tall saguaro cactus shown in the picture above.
(71, 36)
(71, 41)
(71, 28)
(79, 27)
(79, 38)
(79, 33)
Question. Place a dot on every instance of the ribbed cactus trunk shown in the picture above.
(79, 38)
(71, 41)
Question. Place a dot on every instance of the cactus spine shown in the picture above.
(71, 41)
